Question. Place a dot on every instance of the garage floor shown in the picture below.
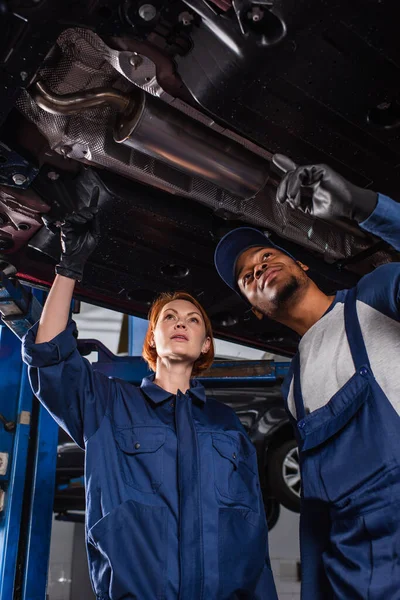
(285, 555)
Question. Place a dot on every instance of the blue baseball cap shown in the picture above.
(232, 245)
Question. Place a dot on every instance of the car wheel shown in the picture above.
(284, 475)
(272, 512)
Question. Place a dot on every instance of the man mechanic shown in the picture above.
(343, 389)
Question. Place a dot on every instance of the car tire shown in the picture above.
(284, 475)
(272, 512)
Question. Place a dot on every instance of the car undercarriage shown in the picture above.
(174, 110)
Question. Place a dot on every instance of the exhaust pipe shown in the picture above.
(154, 128)
(72, 104)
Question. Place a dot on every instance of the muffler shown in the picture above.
(152, 127)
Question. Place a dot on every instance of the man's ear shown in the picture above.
(303, 266)
(257, 313)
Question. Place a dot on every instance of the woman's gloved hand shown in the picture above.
(330, 196)
(79, 237)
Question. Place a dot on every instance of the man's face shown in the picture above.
(269, 279)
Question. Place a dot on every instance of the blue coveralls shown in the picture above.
(350, 467)
(174, 507)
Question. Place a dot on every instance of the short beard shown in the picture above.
(280, 302)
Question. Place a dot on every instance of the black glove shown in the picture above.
(331, 197)
(79, 237)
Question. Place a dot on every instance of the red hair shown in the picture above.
(149, 353)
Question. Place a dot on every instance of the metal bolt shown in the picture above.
(19, 179)
(66, 150)
(23, 75)
(185, 18)
(53, 176)
(256, 14)
(135, 60)
(147, 12)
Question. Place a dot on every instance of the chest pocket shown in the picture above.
(141, 456)
(235, 470)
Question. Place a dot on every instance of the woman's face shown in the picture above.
(180, 334)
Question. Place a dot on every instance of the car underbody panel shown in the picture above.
(174, 110)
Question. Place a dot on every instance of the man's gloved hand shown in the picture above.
(331, 197)
(79, 237)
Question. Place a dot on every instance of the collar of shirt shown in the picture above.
(340, 296)
(157, 394)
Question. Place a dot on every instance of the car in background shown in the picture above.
(250, 388)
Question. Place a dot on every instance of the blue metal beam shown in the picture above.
(41, 509)
(41, 496)
(19, 308)
(137, 329)
(27, 484)
(133, 368)
(15, 392)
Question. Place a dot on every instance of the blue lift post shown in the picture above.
(16, 406)
(28, 454)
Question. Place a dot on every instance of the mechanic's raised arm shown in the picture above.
(335, 199)
(60, 377)
(55, 314)
(79, 237)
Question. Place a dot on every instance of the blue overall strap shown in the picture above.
(353, 331)
(297, 394)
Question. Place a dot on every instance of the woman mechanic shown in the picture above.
(174, 509)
